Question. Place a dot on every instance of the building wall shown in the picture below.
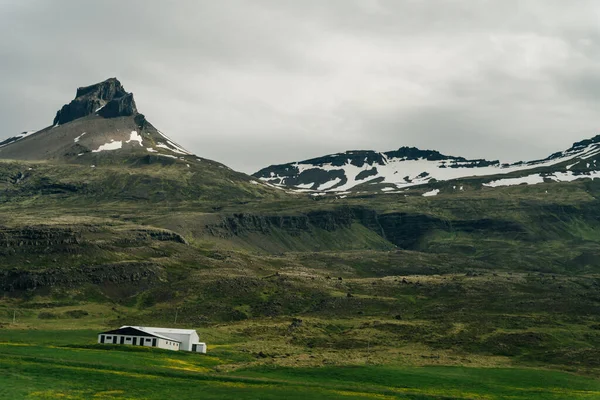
(186, 339)
(140, 341)
(199, 347)
(167, 344)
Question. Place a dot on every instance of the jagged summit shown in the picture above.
(102, 123)
(109, 99)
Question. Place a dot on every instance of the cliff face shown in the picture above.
(36, 237)
(109, 99)
(405, 230)
(240, 223)
(115, 274)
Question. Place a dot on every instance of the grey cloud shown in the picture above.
(257, 82)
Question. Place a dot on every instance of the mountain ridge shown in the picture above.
(411, 166)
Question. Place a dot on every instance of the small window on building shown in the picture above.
(128, 339)
(108, 337)
(148, 340)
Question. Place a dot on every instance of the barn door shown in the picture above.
(122, 340)
(114, 340)
(194, 347)
(154, 342)
(101, 338)
(134, 341)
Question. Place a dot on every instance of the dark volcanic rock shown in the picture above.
(119, 107)
(37, 236)
(108, 98)
(118, 273)
(107, 90)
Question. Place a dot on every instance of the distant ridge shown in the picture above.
(409, 166)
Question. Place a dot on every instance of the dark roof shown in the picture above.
(130, 331)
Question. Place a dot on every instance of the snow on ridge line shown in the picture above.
(534, 179)
(172, 143)
(164, 146)
(421, 171)
(181, 149)
(19, 137)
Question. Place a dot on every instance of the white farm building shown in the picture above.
(163, 338)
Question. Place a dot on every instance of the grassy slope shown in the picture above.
(82, 370)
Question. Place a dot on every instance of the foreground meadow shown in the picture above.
(50, 364)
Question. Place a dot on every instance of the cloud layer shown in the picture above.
(257, 82)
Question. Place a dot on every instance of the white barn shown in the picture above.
(163, 338)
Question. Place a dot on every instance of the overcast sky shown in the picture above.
(257, 82)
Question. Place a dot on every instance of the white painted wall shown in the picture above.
(200, 347)
(128, 340)
(186, 338)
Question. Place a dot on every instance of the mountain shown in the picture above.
(101, 122)
(100, 146)
(409, 166)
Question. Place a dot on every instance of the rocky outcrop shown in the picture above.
(241, 223)
(107, 90)
(119, 107)
(145, 235)
(130, 272)
(109, 99)
(37, 237)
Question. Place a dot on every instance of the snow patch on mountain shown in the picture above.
(432, 193)
(524, 180)
(112, 145)
(79, 137)
(330, 184)
(135, 137)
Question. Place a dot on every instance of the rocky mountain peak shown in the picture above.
(108, 99)
(107, 90)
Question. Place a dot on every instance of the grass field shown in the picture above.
(44, 364)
